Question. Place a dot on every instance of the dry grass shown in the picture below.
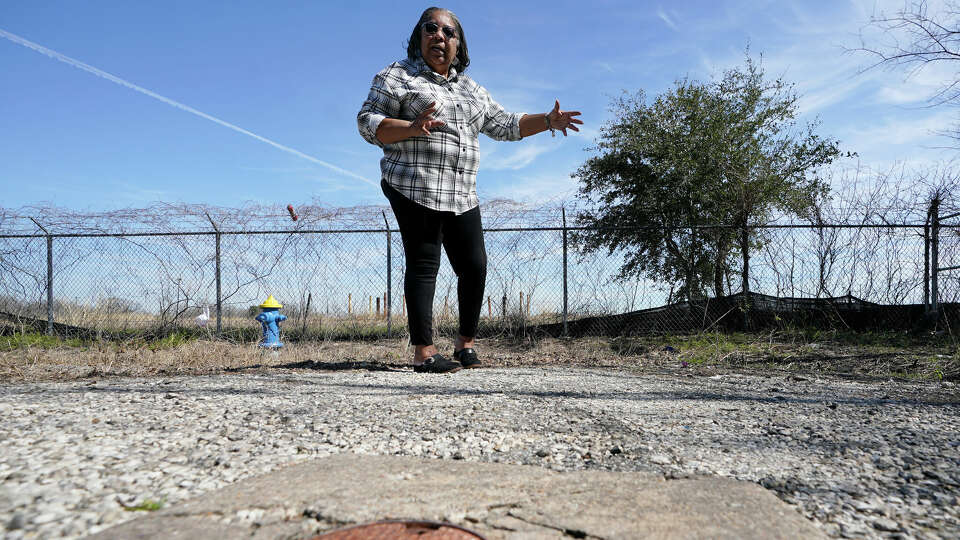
(198, 357)
(34, 363)
(43, 358)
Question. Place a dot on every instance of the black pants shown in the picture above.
(423, 231)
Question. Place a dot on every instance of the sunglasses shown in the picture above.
(433, 28)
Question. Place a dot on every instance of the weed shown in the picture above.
(35, 339)
(148, 505)
(171, 341)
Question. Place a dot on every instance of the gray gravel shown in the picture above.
(859, 459)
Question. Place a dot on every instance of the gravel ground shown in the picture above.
(870, 459)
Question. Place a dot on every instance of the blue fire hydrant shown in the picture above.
(270, 319)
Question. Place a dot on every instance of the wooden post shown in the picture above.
(489, 308)
(370, 307)
(503, 312)
(528, 306)
(349, 303)
(378, 307)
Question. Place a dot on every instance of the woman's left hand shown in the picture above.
(563, 120)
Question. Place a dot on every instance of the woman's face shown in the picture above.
(438, 49)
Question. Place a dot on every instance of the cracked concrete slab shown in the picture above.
(497, 501)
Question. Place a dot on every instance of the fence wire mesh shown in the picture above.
(349, 283)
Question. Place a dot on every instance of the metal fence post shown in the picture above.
(934, 257)
(49, 276)
(388, 301)
(49, 285)
(565, 305)
(926, 265)
(219, 295)
(216, 236)
(745, 248)
(523, 318)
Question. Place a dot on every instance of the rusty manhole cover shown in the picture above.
(389, 530)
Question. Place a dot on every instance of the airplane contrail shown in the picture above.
(113, 78)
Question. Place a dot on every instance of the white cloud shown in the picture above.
(537, 189)
(330, 185)
(809, 47)
(277, 169)
(916, 85)
(518, 159)
(901, 95)
(588, 134)
(817, 83)
(915, 131)
(817, 93)
(666, 18)
(133, 193)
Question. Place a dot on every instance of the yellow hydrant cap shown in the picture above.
(271, 302)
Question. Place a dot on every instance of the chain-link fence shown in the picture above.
(348, 283)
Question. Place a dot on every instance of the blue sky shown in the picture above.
(295, 73)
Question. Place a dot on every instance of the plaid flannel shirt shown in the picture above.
(438, 171)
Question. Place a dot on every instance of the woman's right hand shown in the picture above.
(425, 121)
(394, 130)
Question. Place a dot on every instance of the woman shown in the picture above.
(426, 114)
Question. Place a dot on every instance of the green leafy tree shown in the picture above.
(727, 152)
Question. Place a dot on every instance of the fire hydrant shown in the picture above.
(270, 318)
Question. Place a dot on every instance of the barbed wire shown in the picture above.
(182, 218)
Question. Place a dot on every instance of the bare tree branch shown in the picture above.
(919, 38)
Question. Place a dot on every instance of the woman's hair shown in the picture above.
(413, 46)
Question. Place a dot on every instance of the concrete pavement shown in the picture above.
(498, 501)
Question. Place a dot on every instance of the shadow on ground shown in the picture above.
(323, 366)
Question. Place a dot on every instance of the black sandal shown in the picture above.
(438, 364)
(467, 358)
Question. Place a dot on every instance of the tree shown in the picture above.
(727, 152)
(914, 37)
